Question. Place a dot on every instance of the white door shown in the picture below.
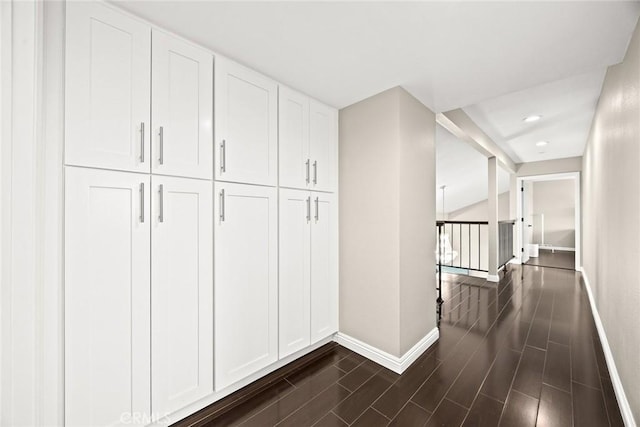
(525, 221)
(107, 88)
(323, 140)
(182, 108)
(324, 266)
(295, 271)
(246, 280)
(181, 292)
(295, 163)
(246, 120)
(107, 294)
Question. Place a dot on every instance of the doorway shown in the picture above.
(549, 216)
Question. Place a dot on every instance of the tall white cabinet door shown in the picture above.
(295, 271)
(181, 292)
(293, 128)
(182, 120)
(107, 88)
(246, 281)
(107, 294)
(324, 266)
(246, 120)
(323, 139)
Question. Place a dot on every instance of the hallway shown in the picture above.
(522, 353)
(556, 259)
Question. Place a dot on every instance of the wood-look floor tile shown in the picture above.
(465, 388)
(557, 369)
(330, 420)
(528, 378)
(520, 411)
(299, 377)
(498, 382)
(356, 404)
(611, 403)
(370, 418)
(517, 337)
(555, 408)
(448, 414)
(349, 363)
(584, 367)
(359, 375)
(401, 391)
(588, 407)
(316, 408)
(485, 412)
(603, 370)
(411, 416)
(539, 333)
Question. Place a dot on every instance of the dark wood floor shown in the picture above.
(556, 259)
(522, 352)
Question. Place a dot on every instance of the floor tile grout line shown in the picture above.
(337, 416)
(308, 401)
(389, 419)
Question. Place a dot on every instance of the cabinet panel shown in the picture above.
(107, 293)
(246, 112)
(246, 274)
(324, 267)
(182, 292)
(107, 88)
(323, 140)
(293, 116)
(295, 271)
(182, 108)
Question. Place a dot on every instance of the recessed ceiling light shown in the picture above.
(541, 143)
(533, 118)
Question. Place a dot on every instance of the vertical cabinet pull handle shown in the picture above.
(161, 158)
(142, 202)
(307, 163)
(161, 193)
(222, 205)
(308, 208)
(141, 142)
(317, 209)
(223, 156)
(315, 172)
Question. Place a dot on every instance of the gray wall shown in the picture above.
(387, 221)
(611, 216)
(480, 211)
(546, 167)
(556, 200)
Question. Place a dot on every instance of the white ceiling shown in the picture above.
(464, 171)
(447, 54)
(567, 107)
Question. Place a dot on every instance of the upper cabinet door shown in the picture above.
(182, 292)
(182, 107)
(295, 270)
(295, 162)
(323, 139)
(107, 293)
(324, 266)
(107, 108)
(246, 120)
(246, 281)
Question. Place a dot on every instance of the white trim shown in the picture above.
(389, 361)
(493, 278)
(515, 260)
(623, 402)
(556, 248)
(162, 420)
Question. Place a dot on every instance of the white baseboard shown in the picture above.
(514, 261)
(389, 361)
(623, 402)
(493, 278)
(557, 248)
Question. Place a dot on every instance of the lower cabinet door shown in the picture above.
(181, 292)
(324, 266)
(295, 271)
(107, 294)
(246, 275)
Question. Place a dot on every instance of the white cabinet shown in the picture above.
(324, 266)
(323, 142)
(182, 94)
(246, 125)
(107, 295)
(181, 292)
(246, 280)
(308, 142)
(295, 271)
(107, 88)
(308, 299)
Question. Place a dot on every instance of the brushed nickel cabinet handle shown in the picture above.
(222, 216)
(315, 172)
(317, 209)
(307, 163)
(161, 158)
(141, 142)
(161, 193)
(223, 156)
(308, 208)
(141, 202)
